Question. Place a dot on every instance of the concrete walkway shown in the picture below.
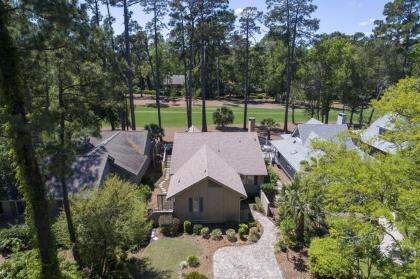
(254, 261)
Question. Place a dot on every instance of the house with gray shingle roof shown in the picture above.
(295, 148)
(372, 135)
(125, 153)
(212, 173)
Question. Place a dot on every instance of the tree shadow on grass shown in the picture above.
(142, 269)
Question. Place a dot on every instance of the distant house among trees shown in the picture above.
(174, 81)
(125, 153)
(372, 135)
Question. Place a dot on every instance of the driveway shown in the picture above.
(254, 261)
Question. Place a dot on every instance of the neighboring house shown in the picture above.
(296, 147)
(211, 173)
(125, 153)
(371, 136)
(174, 81)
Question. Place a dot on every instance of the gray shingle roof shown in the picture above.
(323, 131)
(88, 172)
(371, 135)
(129, 149)
(240, 150)
(205, 163)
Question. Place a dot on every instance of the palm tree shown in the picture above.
(269, 124)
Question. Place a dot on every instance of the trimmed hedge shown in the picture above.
(169, 225)
(205, 232)
(187, 227)
(216, 234)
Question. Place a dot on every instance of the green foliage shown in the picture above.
(26, 265)
(61, 232)
(155, 132)
(269, 124)
(258, 205)
(205, 232)
(244, 227)
(193, 261)
(194, 275)
(328, 260)
(269, 189)
(223, 116)
(216, 234)
(261, 96)
(197, 229)
(15, 238)
(272, 175)
(281, 245)
(254, 235)
(169, 225)
(231, 235)
(108, 224)
(187, 227)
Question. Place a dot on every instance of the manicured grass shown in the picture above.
(166, 254)
(176, 116)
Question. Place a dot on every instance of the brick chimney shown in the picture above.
(342, 118)
(251, 124)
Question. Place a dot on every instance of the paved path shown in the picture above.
(387, 246)
(254, 261)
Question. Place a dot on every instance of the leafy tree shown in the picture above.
(269, 124)
(248, 20)
(293, 19)
(223, 116)
(110, 223)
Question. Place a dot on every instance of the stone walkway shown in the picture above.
(254, 261)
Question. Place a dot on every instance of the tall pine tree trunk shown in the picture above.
(218, 75)
(184, 60)
(62, 172)
(129, 72)
(203, 87)
(246, 75)
(157, 72)
(30, 178)
(190, 68)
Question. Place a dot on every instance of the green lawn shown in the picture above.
(176, 116)
(165, 255)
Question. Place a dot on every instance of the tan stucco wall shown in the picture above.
(220, 204)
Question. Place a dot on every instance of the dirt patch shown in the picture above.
(294, 265)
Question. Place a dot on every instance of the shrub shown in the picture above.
(231, 224)
(216, 234)
(205, 232)
(281, 245)
(231, 235)
(26, 265)
(61, 232)
(194, 275)
(254, 234)
(187, 227)
(197, 229)
(223, 116)
(252, 224)
(16, 237)
(245, 227)
(169, 225)
(242, 233)
(193, 261)
(328, 260)
(261, 96)
(269, 189)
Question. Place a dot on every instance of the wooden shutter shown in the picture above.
(190, 204)
(201, 204)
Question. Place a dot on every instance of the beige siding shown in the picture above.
(220, 204)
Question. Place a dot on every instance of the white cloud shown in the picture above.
(238, 11)
(354, 3)
(367, 22)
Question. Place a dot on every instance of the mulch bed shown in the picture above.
(294, 265)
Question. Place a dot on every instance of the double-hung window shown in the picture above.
(195, 204)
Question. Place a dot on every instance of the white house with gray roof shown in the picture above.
(294, 148)
(211, 173)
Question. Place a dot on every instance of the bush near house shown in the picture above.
(193, 261)
(16, 237)
(216, 234)
(254, 234)
(231, 235)
(205, 232)
(258, 205)
(197, 229)
(169, 225)
(187, 227)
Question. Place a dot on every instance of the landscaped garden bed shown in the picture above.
(190, 247)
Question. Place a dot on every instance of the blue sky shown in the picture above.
(347, 16)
